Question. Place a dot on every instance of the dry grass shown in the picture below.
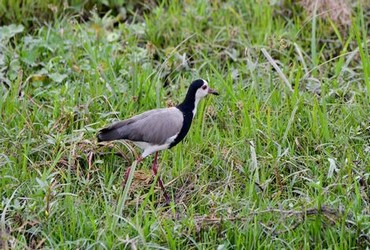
(339, 11)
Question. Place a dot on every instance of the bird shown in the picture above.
(159, 129)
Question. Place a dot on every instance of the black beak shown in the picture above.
(213, 92)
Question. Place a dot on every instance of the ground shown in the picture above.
(281, 159)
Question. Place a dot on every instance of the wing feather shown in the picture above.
(154, 126)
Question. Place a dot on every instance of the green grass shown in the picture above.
(262, 166)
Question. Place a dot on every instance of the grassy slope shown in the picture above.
(76, 78)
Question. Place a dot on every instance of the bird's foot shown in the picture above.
(160, 182)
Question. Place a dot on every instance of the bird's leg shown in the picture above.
(128, 170)
(127, 173)
(155, 171)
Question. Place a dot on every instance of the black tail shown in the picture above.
(108, 134)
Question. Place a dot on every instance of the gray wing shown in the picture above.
(120, 124)
(154, 126)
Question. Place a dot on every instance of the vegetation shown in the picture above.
(281, 159)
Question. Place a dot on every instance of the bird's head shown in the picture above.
(202, 89)
(197, 90)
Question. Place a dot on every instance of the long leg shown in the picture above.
(128, 170)
(160, 182)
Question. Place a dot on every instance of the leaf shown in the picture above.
(41, 183)
(9, 31)
(2, 59)
(56, 77)
(112, 37)
(332, 168)
(221, 247)
(30, 57)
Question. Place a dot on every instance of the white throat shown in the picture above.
(195, 106)
(200, 94)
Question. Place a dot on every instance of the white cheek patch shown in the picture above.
(200, 93)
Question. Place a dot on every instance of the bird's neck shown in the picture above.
(189, 105)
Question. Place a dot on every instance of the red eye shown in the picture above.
(204, 87)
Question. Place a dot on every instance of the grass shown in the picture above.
(279, 160)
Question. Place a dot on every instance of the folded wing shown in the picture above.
(154, 126)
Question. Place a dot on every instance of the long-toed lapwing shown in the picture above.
(159, 129)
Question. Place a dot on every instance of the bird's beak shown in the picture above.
(213, 92)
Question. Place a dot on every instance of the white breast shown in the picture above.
(151, 148)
